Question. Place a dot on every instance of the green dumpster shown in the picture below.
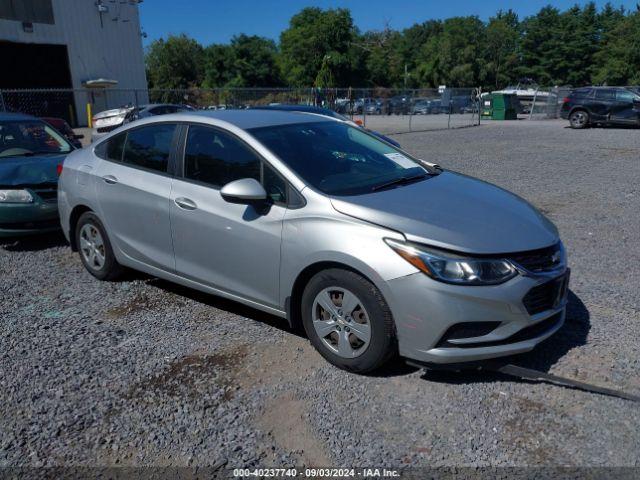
(499, 106)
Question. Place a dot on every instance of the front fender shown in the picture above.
(342, 240)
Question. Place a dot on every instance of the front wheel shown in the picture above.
(579, 119)
(348, 321)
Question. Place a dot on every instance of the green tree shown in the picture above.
(312, 36)
(579, 39)
(254, 62)
(540, 44)
(559, 48)
(502, 44)
(381, 59)
(176, 62)
(218, 62)
(248, 61)
(618, 60)
(455, 56)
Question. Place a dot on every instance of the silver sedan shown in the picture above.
(375, 253)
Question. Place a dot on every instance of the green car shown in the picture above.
(31, 153)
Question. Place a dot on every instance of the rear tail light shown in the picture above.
(566, 100)
(59, 169)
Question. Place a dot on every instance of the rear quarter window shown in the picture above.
(112, 149)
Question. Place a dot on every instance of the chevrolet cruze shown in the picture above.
(374, 252)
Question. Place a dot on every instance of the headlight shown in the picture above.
(110, 121)
(15, 196)
(451, 268)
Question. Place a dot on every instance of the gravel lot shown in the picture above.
(143, 372)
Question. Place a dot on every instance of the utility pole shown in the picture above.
(405, 76)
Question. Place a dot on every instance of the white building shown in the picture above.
(71, 44)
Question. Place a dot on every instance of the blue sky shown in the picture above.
(216, 21)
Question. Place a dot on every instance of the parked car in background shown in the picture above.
(31, 153)
(462, 104)
(375, 107)
(65, 129)
(429, 107)
(602, 106)
(400, 105)
(374, 252)
(327, 112)
(420, 107)
(105, 122)
(366, 105)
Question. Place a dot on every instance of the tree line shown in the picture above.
(324, 48)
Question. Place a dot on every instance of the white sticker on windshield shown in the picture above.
(401, 160)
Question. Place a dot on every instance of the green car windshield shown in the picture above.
(29, 138)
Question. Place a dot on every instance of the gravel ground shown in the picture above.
(143, 372)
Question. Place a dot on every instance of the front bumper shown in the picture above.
(18, 219)
(425, 311)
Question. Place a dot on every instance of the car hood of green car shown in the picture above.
(29, 171)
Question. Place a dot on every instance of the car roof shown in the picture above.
(255, 118)
(10, 116)
(602, 87)
(297, 108)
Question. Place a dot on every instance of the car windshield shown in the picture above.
(338, 159)
(28, 138)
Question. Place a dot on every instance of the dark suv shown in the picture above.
(602, 105)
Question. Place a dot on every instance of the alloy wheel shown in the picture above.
(579, 119)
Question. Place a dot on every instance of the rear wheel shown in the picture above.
(579, 119)
(348, 321)
(95, 249)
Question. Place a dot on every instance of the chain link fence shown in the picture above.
(381, 109)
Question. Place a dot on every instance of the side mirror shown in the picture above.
(245, 190)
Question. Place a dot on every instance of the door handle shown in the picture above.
(185, 203)
(110, 179)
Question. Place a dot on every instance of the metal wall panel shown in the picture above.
(100, 45)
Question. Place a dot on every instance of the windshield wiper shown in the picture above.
(399, 181)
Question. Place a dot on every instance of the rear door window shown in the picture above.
(605, 94)
(149, 147)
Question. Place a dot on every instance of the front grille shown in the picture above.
(541, 260)
(466, 330)
(527, 333)
(47, 196)
(546, 296)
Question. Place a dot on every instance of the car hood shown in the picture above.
(455, 212)
(17, 171)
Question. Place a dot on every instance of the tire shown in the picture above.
(579, 119)
(102, 264)
(345, 344)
